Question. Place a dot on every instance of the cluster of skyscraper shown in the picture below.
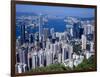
(46, 46)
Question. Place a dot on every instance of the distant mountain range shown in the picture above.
(35, 14)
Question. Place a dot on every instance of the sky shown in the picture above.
(56, 10)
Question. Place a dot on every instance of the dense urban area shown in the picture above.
(42, 47)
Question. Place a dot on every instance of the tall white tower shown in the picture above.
(83, 42)
(40, 27)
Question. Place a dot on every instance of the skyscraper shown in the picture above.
(81, 31)
(76, 30)
(88, 28)
(49, 57)
(31, 38)
(91, 47)
(41, 58)
(45, 33)
(52, 31)
(34, 60)
(40, 26)
(22, 27)
(59, 57)
(70, 50)
(64, 53)
(18, 68)
(67, 51)
(83, 38)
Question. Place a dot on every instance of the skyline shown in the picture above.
(46, 41)
(56, 10)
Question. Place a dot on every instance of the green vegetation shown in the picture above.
(85, 65)
(52, 67)
(77, 48)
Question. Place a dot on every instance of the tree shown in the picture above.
(77, 48)
(86, 64)
(52, 67)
